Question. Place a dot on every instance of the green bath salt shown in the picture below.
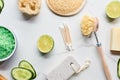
(7, 42)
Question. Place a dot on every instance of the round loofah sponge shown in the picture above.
(65, 7)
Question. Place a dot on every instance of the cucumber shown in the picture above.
(21, 74)
(1, 5)
(118, 68)
(27, 65)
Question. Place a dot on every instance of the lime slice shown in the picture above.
(1, 5)
(45, 43)
(113, 9)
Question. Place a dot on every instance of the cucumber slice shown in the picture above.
(21, 74)
(27, 65)
(1, 5)
(118, 68)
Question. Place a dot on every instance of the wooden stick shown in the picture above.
(63, 35)
(2, 77)
(68, 34)
(67, 40)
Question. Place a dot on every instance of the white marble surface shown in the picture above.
(29, 30)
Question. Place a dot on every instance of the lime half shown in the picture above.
(1, 5)
(45, 43)
(113, 9)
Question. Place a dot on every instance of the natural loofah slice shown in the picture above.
(65, 7)
(30, 7)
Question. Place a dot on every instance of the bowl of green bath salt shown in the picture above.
(7, 43)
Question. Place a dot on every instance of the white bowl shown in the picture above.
(6, 58)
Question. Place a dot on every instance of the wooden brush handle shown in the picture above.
(105, 66)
